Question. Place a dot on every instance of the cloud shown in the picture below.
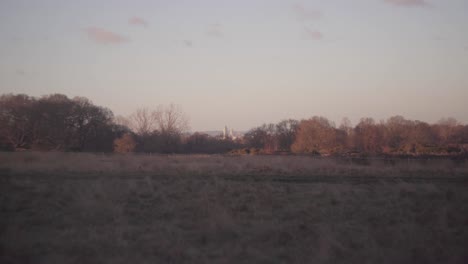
(408, 3)
(103, 36)
(20, 72)
(304, 13)
(188, 43)
(215, 31)
(138, 21)
(314, 34)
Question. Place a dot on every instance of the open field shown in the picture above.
(86, 208)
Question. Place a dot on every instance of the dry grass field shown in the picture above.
(89, 208)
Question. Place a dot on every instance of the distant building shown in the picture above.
(225, 132)
(229, 133)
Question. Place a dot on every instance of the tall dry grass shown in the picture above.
(95, 208)
(30, 162)
(187, 213)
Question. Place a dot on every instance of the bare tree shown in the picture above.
(122, 121)
(286, 133)
(89, 120)
(159, 130)
(421, 136)
(171, 119)
(143, 121)
(56, 122)
(172, 123)
(396, 132)
(52, 122)
(346, 126)
(345, 133)
(446, 128)
(16, 119)
(315, 135)
(262, 137)
(368, 136)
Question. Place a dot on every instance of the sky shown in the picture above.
(246, 62)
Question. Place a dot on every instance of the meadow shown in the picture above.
(99, 208)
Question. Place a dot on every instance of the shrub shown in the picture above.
(124, 144)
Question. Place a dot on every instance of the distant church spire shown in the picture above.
(225, 132)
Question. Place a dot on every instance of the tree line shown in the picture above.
(58, 123)
(394, 136)
(55, 122)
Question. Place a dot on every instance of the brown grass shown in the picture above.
(85, 208)
(30, 162)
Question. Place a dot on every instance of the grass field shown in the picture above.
(86, 208)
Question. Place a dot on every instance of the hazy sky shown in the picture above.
(241, 63)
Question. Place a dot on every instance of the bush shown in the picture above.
(124, 144)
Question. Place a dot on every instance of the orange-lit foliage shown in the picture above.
(124, 144)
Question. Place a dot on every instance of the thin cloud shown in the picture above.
(20, 72)
(408, 3)
(138, 21)
(303, 13)
(188, 43)
(215, 31)
(314, 34)
(102, 36)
